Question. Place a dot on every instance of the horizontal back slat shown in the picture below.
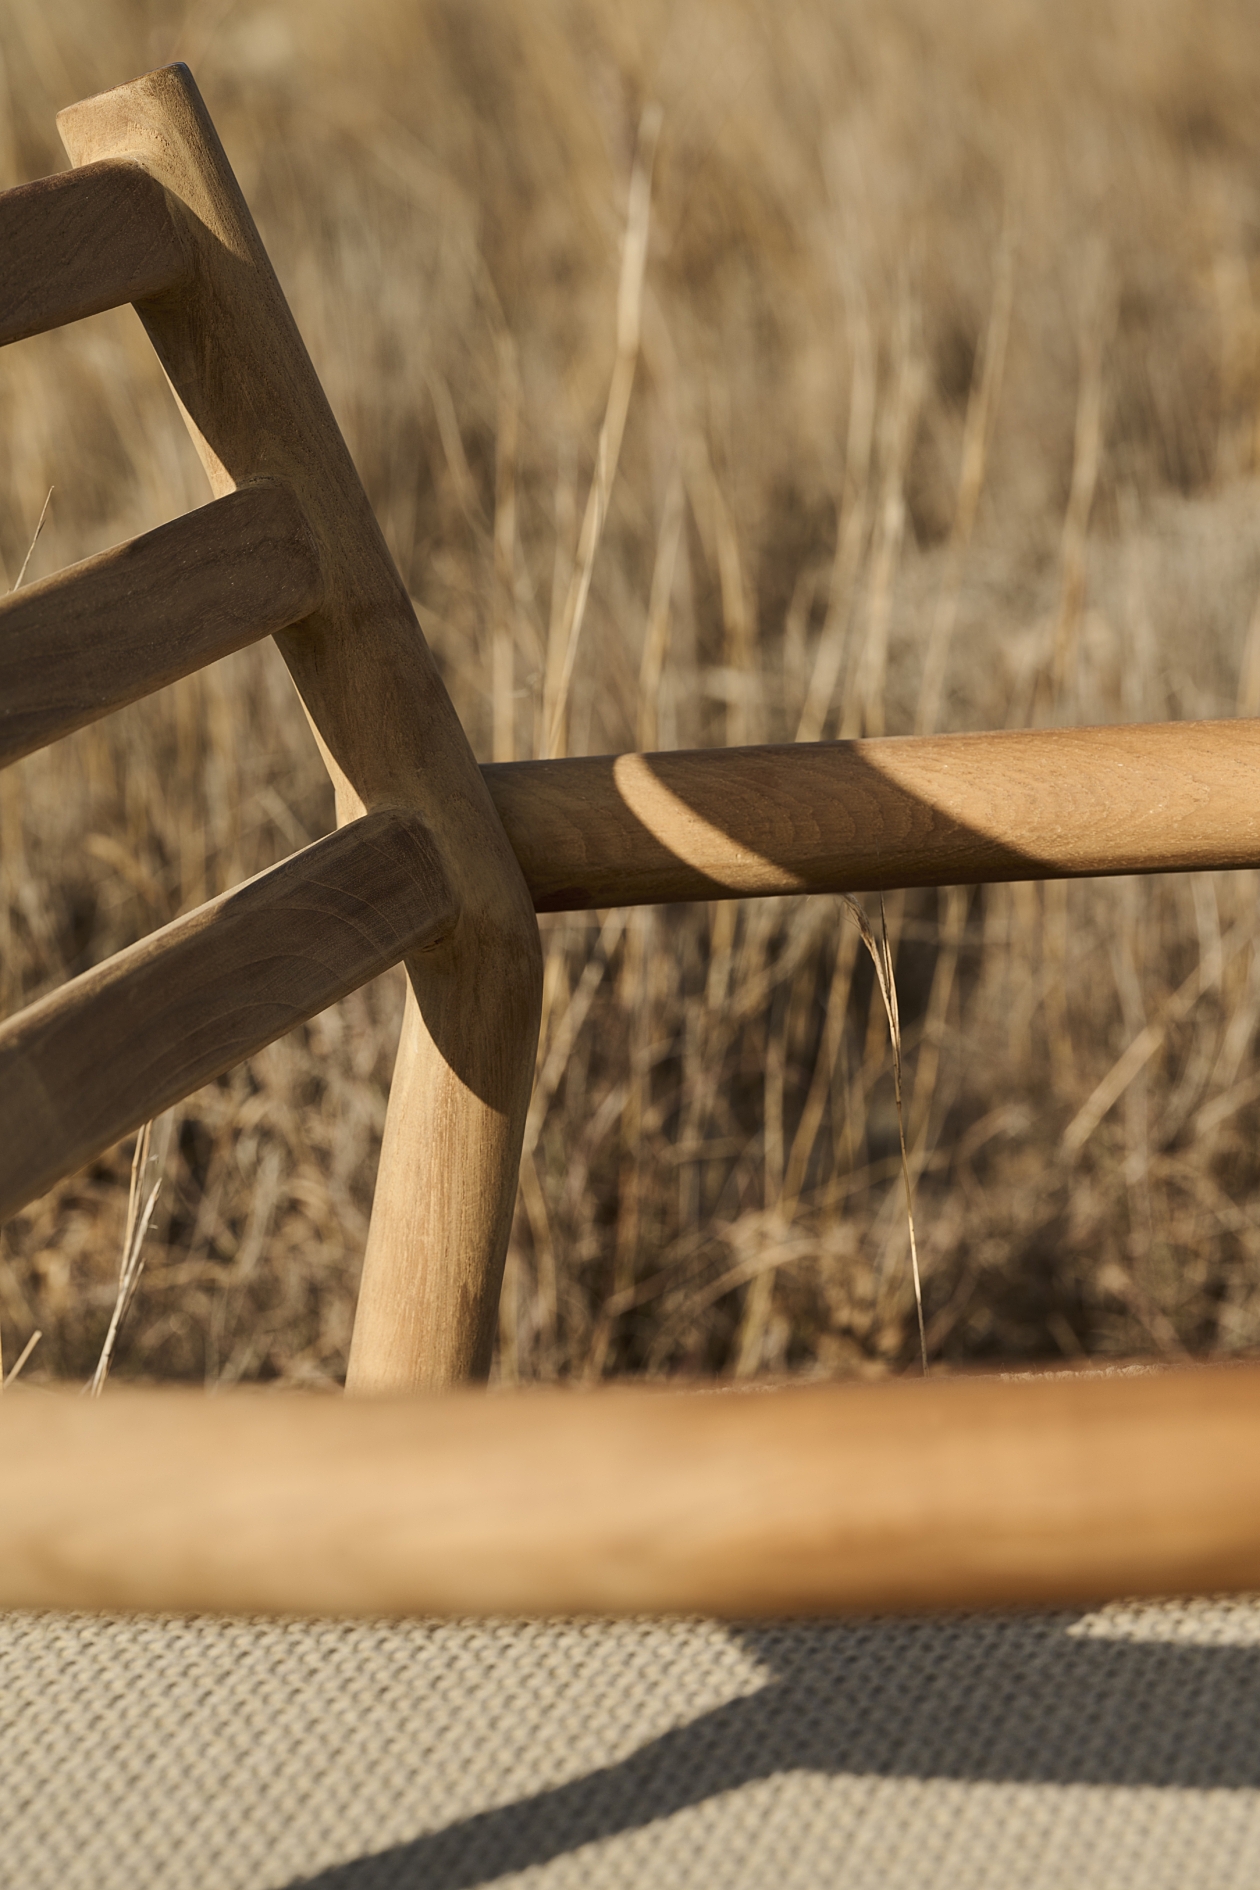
(83, 241)
(806, 1501)
(88, 1063)
(858, 816)
(102, 633)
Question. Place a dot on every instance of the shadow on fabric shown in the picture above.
(998, 1699)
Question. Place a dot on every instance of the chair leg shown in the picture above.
(446, 1187)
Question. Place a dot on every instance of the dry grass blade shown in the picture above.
(15, 1369)
(881, 957)
(982, 400)
(132, 1262)
(1148, 1041)
(30, 549)
(562, 657)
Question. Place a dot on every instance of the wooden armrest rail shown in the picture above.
(88, 1063)
(906, 1495)
(115, 627)
(852, 816)
(83, 241)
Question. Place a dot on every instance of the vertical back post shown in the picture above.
(390, 737)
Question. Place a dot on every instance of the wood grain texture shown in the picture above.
(84, 241)
(115, 627)
(863, 815)
(447, 1181)
(114, 1047)
(820, 1500)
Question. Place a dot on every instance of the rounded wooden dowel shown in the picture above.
(84, 241)
(813, 1501)
(102, 633)
(858, 816)
(114, 1047)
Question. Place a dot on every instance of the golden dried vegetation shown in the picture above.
(927, 395)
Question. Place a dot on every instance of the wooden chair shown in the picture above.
(815, 1499)
(422, 871)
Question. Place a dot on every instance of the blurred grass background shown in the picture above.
(945, 414)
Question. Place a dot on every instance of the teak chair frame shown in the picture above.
(442, 865)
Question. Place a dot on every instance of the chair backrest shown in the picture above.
(421, 871)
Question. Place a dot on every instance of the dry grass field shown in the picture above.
(943, 411)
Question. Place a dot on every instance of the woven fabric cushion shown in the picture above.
(1114, 1748)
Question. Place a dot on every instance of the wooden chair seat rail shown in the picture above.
(815, 1500)
(116, 627)
(112, 1048)
(84, 241)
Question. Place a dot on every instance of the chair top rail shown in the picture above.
(861, 816)
(102, 633)
(91, 1061)
(906, 1495)
(83, 241)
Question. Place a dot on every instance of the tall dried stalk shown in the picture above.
(132, 1261)
(15, 1370)
(562, 654)
(853, 515)
(1096, 319)
(881, 957)
(982, 402)
(30, 549)
(503, 649)
(863, 711)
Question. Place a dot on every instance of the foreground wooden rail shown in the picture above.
(897, 1496)
(613, 830)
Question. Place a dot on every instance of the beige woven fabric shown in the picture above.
(1111, 1749)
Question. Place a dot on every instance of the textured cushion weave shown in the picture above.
(1115, 1748)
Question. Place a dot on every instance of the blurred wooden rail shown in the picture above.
(859, 816)
(895, 1496)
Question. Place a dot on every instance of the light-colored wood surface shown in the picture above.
(102, 633)
(860, 815)
(83, 241)
(114, 1047)
(896, 1496)
(447, 1180)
